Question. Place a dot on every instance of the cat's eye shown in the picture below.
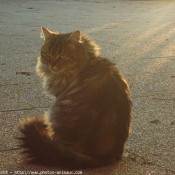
(62, 56)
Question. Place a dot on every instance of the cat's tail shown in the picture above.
(40, 148)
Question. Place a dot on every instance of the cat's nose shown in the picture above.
(51, 67)
(54, 68)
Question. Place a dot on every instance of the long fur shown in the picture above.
(40, 148)
(88, 123)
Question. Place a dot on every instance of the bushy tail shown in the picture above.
(41, 149)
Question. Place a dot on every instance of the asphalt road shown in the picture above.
(139, 36)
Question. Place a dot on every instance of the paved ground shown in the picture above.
(138, 35)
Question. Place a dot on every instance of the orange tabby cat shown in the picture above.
(88, 124)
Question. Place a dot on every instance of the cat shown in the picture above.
(88, 124)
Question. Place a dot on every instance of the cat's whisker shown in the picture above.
(73, 91)
(65, 102)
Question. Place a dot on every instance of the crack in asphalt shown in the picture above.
(133, 157)
(11, 149)
(25, 109)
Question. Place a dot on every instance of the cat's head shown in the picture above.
(65, 51)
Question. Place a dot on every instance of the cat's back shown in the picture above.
(98, 85)
(103, 73)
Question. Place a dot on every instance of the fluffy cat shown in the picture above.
(88, 124)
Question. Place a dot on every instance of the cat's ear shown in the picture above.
(76, 36)
(46, 33)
